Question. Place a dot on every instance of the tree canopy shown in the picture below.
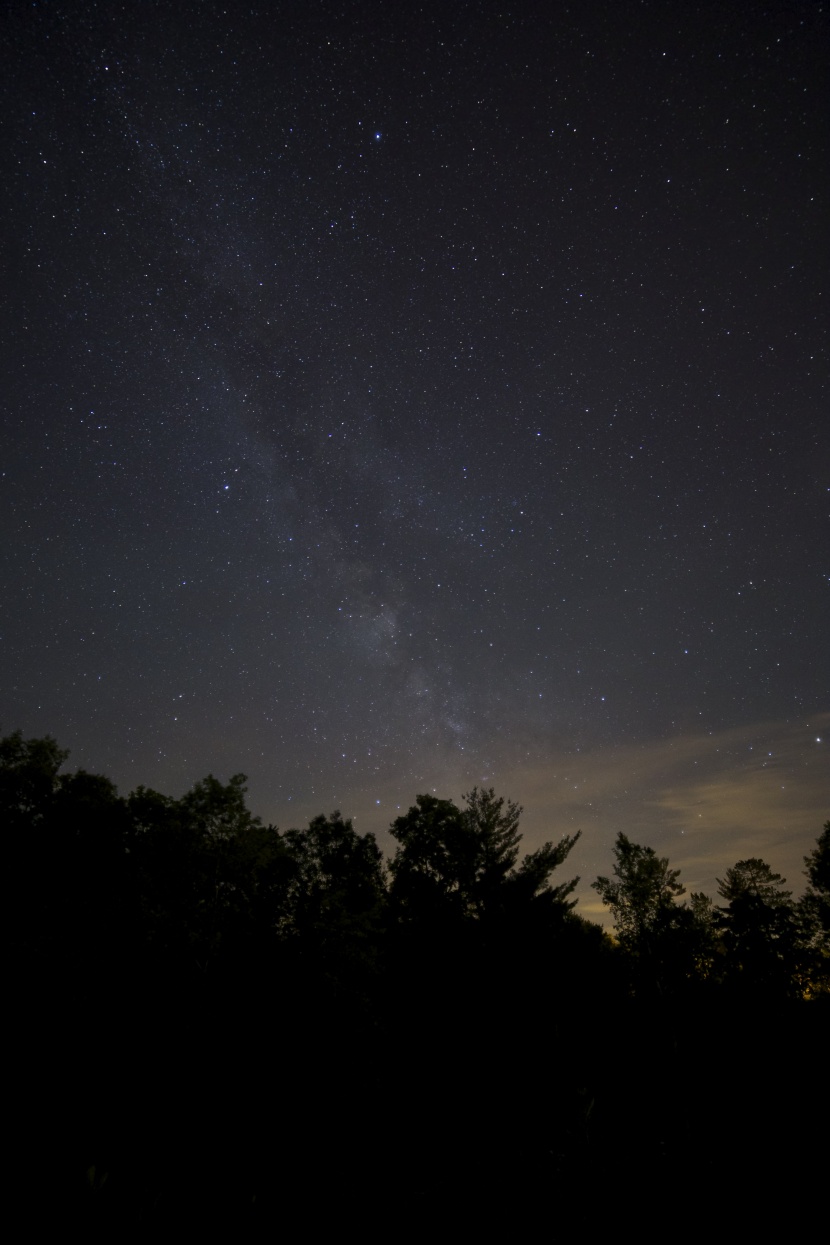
(817, 897)
(462, 862)
(641, 894)
(759, 928)
(208, 972)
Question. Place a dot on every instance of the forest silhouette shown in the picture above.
(219, 1024)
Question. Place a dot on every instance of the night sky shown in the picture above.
(399, 398)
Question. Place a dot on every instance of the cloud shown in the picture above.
(703, 800)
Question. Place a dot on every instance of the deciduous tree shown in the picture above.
(462, 862)
(642, 893)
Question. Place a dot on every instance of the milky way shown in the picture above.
(404, 400)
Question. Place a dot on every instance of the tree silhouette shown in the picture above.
(434, 869)
(334, 904)
(208, 871)
(817, 897)
(28, 778)
(669, 945)
(338, 871)
(643, 894)
(759, 928)
(207, 973)
(705, 939)
(818, 863)
(461, 862)
(813, 916)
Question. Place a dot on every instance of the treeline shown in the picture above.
(216, 1020)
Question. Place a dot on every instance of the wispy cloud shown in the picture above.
(703, 800)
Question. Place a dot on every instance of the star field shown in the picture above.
(404, 398)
